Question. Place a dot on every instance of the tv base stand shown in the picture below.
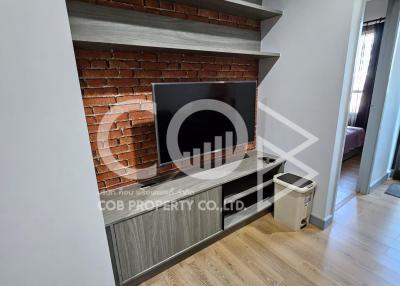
(156, 226)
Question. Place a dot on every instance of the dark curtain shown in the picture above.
(363, 113)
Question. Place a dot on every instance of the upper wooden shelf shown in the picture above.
(96, 25)
(235, 7)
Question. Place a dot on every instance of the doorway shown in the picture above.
(359, 108)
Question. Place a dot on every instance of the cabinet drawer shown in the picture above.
(153, 237)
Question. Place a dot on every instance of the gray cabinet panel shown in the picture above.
(148, 239)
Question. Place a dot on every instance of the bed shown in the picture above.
(354, 143)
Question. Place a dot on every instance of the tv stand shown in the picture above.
(145, 233)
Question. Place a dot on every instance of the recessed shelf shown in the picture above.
(100, 26)
(235, 7)
(232, 199)
(248, 212)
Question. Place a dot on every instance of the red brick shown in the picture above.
(147, 56)
(100, 109)
(125, 107)
(96, 82)
(101, 127)
(142, 89)
(252, 74)
(166, 5)
(148, 81)
(185, 9)
(99, 92)
(174, 74)
(82, 63)
(110, 118)
(90, 120)
(149, 158)
(223, 60)
(207, 59)
(244, 61)
(242, 68)
(99, 73)
(207, 74)
(208, 13)
(198, 18)
(126, 140)
(173, 66)
(136, 115)
(106, 176)
(125, 55)
(192, 75)
(152, 3)
(112, 182)
(123, 82)
(124, 124)
(108, 160)
(101, 185)
(136, 2)
(127, 98)
(173, 14)
(125, 91)
(229, 74)
(98, 64)
(111, 167)
(119, 149)
(170, 57)
(191, 58)
(147, 73)
(111, 135)
(126, 156)
(110, 143)
(190, 66)
(119, 64)
(88, 111)
(125, 73)
(153, 65)
(211, 67)
(92, 54)
(98, 101)
(227, 18)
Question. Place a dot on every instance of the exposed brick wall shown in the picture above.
(109, 78)
(171, 9)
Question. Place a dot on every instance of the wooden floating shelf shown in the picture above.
(100, 26)
(235, 7)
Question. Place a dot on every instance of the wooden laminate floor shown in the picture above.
(348, 180)
(362, 247)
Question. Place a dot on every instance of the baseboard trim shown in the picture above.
(321, 223)
(379, 182)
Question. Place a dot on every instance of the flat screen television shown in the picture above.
(203, 126)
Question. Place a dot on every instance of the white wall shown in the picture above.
(389, 127)
(310, 84)
(52, 229)
(375, 9)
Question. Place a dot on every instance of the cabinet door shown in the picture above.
(148, 239)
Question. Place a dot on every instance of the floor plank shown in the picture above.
(348, 180)
(362, 247)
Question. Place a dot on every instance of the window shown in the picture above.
(360, 72)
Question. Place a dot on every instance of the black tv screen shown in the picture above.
(202, 126)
